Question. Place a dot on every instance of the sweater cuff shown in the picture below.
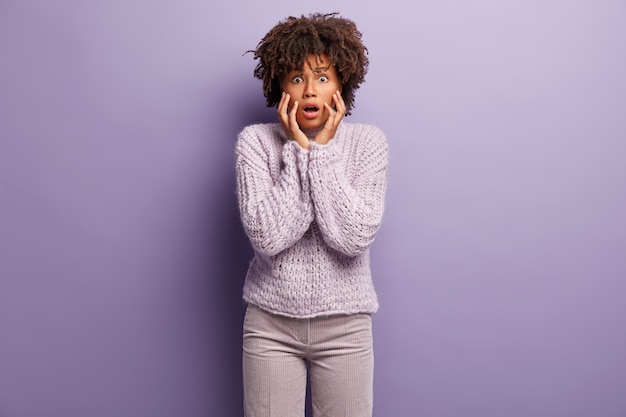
(298, 156)
(325, 152)
(301, 155)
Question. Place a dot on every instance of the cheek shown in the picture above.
(292, 95)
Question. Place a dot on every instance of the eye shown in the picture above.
(323, 78)
(296, 80)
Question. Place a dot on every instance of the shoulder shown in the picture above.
(363, 131)
(260, 131)
(363, 135)
(259, 136)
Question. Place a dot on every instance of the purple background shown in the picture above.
(500, 265)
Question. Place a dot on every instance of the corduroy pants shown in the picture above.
(340, 354)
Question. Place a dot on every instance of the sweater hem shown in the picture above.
(338, 312)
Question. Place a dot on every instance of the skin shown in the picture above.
(318, 87)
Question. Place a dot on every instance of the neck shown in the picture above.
(310, 133)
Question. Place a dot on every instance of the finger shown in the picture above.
(282, 108)
(334, 117)
(292, 114)
(331, 121)
(281, 102)
(331, 111)
(294, 128)
(340, 105)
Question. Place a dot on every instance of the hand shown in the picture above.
(334, 117)
(288, 120)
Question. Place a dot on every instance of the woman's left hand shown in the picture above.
(334, 117)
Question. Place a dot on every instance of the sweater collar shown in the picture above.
(310, 133)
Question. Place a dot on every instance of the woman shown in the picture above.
(311, 195)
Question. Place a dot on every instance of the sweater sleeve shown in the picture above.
(349, 212)
(274, 197)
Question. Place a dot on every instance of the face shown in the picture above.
(312, 86)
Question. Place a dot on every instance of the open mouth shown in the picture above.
(311, 109)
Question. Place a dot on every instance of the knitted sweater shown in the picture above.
(311, 216)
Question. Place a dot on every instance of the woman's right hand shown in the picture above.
(287, 118)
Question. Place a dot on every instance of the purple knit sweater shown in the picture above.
(311, 216)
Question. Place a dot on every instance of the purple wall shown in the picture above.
(500, 266)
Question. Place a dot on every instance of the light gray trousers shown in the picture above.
(341, 365)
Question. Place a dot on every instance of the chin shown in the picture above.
(311, 124)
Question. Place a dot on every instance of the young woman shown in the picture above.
(311, 194)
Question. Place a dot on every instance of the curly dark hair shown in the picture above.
(288, 44)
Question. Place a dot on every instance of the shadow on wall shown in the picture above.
(232, 252)
(234, 255)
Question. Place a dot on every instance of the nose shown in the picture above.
(309, 90)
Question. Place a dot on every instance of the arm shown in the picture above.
(275, 210)
(349, 213)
